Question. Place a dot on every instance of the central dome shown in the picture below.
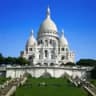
(48, 25)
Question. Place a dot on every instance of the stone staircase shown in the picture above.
(89, 87)
(10, 87)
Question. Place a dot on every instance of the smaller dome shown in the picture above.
(31, 41)
(63, 40)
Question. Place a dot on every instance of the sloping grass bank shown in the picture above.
(49, 87)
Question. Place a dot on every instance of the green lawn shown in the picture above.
(54, 87)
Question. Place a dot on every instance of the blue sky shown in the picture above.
(76, 17)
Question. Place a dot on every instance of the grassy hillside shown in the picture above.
(51, 87)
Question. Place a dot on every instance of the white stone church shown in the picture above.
(49, 49)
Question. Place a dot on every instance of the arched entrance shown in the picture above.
(46, 75)
(45, 64)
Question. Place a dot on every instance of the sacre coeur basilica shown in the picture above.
(48, 54)
(49, 49)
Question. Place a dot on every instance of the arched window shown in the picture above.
(46, 42)
(46, 53)
(52, 64)
(50, 41)
(46, 64)
(63, 57)
(62, 49)
(31, 57)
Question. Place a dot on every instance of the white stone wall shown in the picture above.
(38, 72)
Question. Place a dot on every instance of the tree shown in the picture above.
(9, 60)
(93, 73)
(1, 55)
(1, 59)
(86, 62)
(13, 60)
(22, 61)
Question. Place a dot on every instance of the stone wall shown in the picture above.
(40, 71)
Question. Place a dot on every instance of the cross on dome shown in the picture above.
(32, 32)
(48, 12)
(62, 32)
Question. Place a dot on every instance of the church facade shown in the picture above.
(49, 49)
